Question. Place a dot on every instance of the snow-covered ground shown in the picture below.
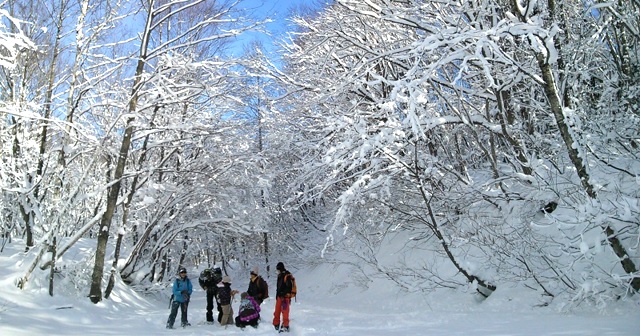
(129, 314)
(325, 306)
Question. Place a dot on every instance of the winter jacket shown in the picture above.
(249, 309)
(224, 293)
(283, 288)
(258, 289)
(182, 289)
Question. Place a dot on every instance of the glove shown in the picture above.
(185, 295)
(284, 305)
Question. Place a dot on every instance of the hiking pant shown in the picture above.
(282, 307)
(174, 311)
(219, 312)
(210, 295)
(227, 315)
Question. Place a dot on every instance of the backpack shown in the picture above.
(210, 278)
(294, 287)
(263, 287)
(205, 277)
(217, 275)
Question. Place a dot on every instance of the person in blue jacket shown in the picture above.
(182, 290)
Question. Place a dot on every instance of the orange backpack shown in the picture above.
(294, 287)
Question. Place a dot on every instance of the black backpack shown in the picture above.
(217, 275)
(210, 277)
(263, 287)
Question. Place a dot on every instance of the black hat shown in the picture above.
(280, 266)
(182, 270)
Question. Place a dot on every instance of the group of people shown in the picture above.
(218, 288)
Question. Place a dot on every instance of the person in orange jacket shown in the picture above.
(283, 298)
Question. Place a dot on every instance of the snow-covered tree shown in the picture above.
(145, 142)
(14, 46)
(438, 112)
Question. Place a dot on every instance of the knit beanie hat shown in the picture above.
(226, 279)
(254, 271)
(280, 266)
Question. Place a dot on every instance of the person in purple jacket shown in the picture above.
(249, 312)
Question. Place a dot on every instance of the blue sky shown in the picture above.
(279, 11)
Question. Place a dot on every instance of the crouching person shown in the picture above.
(249, 312)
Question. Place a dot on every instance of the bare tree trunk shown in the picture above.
(42, 148)
(222, 261)
(54, 247)
(80, 233)
(555, 103)
(485, 289)
(23, 281)
(265, 236)
(114, 267)
(125, 212)
(6, 237)
(26, 218)
(130, 263)
(16, 152)
(556, 107)
(95, 294)
(163, 267)
(183, 253)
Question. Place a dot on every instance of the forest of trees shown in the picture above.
(500, 135)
